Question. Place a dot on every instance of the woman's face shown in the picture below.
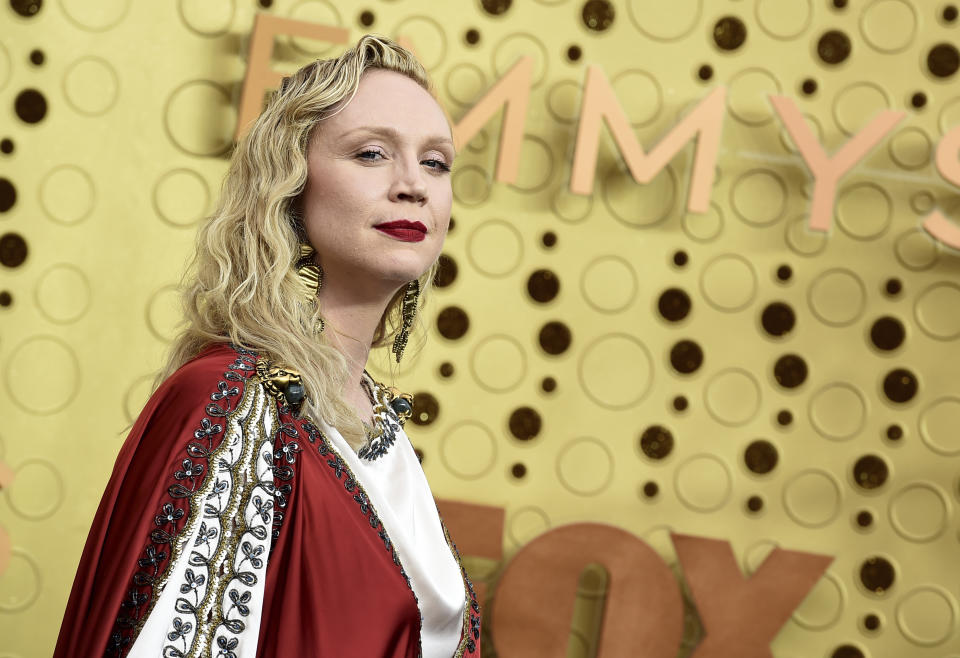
(377, 200)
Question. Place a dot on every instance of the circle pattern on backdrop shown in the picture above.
(888, 26)
(468, 450)
(704, 227)
(585, 466)
(63, 293)
(21, 583)
(95, 16)
(837, 297)
(759, 197)
(823, 606)
(321, 12)
(937, 311)
(838, 411)
(747, 96)
(728, 282)
(91, 86)
(498, 363)
(495, 248)
(67, 194)
(616, 371)
(703, 483)
(812, 498)
(37, 490)
(864, 211)
(665, 22)
(181, 197)
(205, 18)
(784, 21)
(609, 284)
(938, 426)
(919, 512)
(857, 104)
(36, 355)
(732, 396)
(926, 615)
(199, 118)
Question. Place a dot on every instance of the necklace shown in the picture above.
(383, 433)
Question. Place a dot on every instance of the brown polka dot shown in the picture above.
(680, 258)
(6, 146)
(656, 442)
(446, 369)
(918, 100)
(887, 333)
(894, 432)
(8, 195)
(760, 457)
(790, 371)
(549, 384)
(495, 7)
(754, 503)
(864, 519)
(674, 304)
(900, 385)
(472, 37)
(555, 338)
(871, 622)
(13, 250)
(877, 575)
(525, 423)
(943, 60)
(809, 86)
(893, 287)
(426, 408)
(548, 239)
(686, 356)
(833, 47)
(784, 417)
(28, 8)
(680, 403)
(784, 272)
(30, 105)
(574, 53)
(846, 650)
(870, 472)
(729, 33)
(650, 489)
(518, 470)
(705, 72)
(446, 271)
(37, 57)
(367, 18)
(778, 319)
(6, 299)
(543, 286)
(598, 15)
(452, 322)
(419, 453)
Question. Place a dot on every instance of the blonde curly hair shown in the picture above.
(241, 285)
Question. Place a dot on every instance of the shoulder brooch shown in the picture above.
(401, 403)
(284, 384)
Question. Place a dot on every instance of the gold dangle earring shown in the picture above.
(408, 311)
(311, 275)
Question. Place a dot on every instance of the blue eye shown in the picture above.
(438, 165)
(368, 152)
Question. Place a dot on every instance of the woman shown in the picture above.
(267, 501)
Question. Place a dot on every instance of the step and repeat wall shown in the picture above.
(649, 426)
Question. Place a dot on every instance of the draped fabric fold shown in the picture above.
(230, 528)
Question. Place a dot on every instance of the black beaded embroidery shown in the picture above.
(154, 560)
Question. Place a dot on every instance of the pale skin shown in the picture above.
(382, 157)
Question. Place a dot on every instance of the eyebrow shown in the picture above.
(394, 134)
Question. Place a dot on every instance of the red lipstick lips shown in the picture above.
(403, 230)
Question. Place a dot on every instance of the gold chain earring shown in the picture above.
(408, 311)
(311, 275)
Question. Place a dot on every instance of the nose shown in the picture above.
(409, 183)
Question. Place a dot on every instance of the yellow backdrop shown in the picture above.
(606, 358)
